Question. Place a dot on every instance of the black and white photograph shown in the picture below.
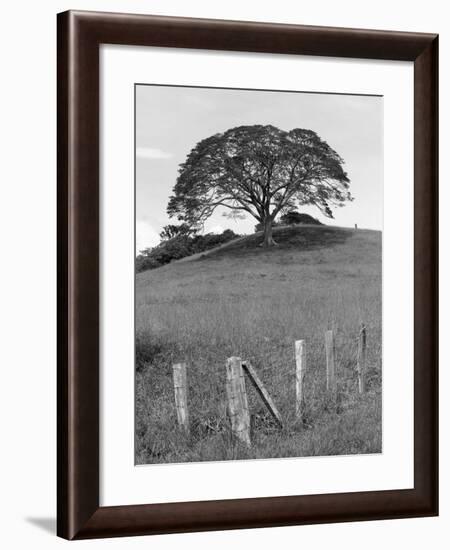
(222, 319)
(259, 217)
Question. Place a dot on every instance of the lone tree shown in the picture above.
(259, 170)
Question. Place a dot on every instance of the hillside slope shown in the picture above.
(254, 303)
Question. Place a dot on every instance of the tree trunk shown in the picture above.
(268, 239)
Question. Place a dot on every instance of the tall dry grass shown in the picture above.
(254, 303)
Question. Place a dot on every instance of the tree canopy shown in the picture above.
(261, 171)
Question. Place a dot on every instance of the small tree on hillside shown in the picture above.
(259, 170)
(170, 231)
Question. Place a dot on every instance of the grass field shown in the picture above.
(254, 303)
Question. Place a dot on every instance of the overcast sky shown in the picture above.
(171, 120)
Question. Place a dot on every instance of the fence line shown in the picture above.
(237, 401)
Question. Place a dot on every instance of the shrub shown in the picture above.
(145, 261)
(180, 246)
(293, 217)
(260, 226)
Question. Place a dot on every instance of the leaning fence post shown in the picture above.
(361, 364)
(237, 400)
(300, 361)
(180, 387)
(329, 348)
(263, 393)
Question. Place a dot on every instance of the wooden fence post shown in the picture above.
(361, 364)
(300, 361)
(180, 387)
(237, 400)
(331, 374)
(263, 393)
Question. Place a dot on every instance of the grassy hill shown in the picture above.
(254, 303)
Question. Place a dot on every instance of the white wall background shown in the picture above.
(28, 270)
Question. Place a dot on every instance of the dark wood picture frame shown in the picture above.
(79, 36)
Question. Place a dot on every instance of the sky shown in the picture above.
(171, 120)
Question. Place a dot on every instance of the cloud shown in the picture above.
(152, 153)
(146, 236)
